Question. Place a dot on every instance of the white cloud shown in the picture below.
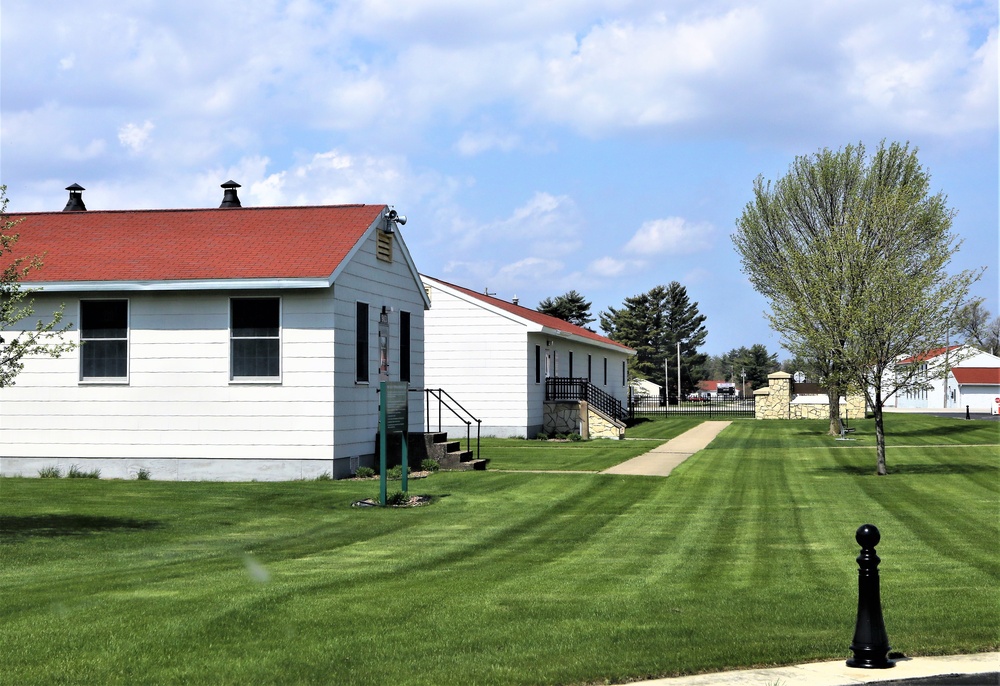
(470, 143)
(135, 137)
(609, 267)
(673, 235)
(67, 62)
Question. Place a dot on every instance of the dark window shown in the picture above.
(361, 343)
(254, 336)
(570, 364)
(404, 346)
(624, 377)
(590, 374)
(104, 333)
(605, 371)
(538, 364)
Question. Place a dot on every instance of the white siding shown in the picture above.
(179, 411)
(480, 359)
(379, 284)
(486, 360)
(178, 401)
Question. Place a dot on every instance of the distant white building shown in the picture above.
(972, 379)
(494, 358)
(645, 388)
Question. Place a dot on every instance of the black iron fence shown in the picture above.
(721, 405)
(566, 388)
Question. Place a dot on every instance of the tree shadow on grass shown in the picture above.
(936, 431)
(903, 469)
(51, 525)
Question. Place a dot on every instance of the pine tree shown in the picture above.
(653, 323)
(570, 307)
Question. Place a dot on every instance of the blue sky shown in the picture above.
(606, 146)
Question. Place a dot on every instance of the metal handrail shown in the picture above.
(566, 388)
(440, 394)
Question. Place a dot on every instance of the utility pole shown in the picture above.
(678, 372)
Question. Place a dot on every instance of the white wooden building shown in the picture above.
(223, 344)
(972, 379)
(493, 358)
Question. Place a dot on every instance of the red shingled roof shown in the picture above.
(172, 245)
(979, 376)
(535, 316)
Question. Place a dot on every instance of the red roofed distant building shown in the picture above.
(497, 358)
(953, 377)
(226, 343)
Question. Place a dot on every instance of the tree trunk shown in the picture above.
(834, 396)
(879, 437)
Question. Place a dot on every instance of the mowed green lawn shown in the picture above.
(743, 556)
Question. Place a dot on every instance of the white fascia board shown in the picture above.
(532, 327)
(185, 285)
(377, 226)
(556, 333)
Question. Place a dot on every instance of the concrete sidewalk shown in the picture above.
(660, 461)
(967, 670)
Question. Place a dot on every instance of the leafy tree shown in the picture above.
(570, 307)
(851, 252)
(15, 305)
(653, 323)
(974, 325)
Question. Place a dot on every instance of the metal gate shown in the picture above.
(719, 406)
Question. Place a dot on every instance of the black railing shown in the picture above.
(445, 401)
(720, 405)
(565, 388)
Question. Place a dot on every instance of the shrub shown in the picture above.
(560, 437)
(49, 473)
(77, 473)
(430, 465)
(325, 476)
(364, 473)
(143, 474)
(540, 436)
(575, 437)
(396, 473)
(396, 499)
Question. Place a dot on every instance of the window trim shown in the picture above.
(107, 380)
(405, 346)
(257, 380)
(605, 371)
(362, 344)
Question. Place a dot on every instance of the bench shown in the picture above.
(844, 430)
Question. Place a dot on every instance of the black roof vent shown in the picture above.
(230, 199)
(75, 202)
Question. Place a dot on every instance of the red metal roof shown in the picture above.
(981, 376)
(170, 245)
(930, 354)
(535, 316)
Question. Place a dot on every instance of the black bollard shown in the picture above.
(871, 644)
(967, 412)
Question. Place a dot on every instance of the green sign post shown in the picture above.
(394, 412)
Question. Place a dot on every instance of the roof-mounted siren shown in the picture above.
(75, 202)
(229, 198)
(392, 217)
